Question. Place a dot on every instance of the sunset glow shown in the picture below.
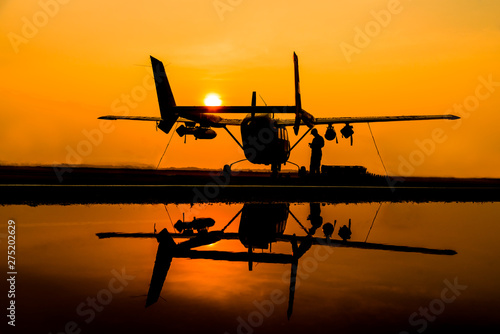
(213, 100)
(363, 58)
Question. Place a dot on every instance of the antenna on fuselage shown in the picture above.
(263, 100)
(265, 103)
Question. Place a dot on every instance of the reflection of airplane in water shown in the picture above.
(260, 226)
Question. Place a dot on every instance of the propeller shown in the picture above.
(300, 114)
(254, 102)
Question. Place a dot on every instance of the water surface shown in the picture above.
(69, 280)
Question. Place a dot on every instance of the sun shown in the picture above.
(212, 99)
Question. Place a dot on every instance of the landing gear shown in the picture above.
(302, 172)
(275, 168)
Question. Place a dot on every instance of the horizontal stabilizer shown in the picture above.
(131, 118)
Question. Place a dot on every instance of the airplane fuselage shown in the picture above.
(263, 141)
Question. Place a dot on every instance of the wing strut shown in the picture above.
(298, 141)
(165, 151)
(236, 140)
(231, 220)
(376, 213)
(376, 147)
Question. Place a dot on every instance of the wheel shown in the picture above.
(274, 170)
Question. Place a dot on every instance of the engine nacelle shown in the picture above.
(197, 131)
(204, 133)
(185, 130)
(195, 224)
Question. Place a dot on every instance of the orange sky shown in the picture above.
(63, 65)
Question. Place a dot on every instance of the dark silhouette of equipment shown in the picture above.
(197, 224)
(328, 230)
(330, 134)
(345, 232)
(347, 132)
(197, 131)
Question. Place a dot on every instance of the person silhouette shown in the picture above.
(316, 145)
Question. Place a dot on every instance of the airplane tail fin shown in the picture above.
(166, 99)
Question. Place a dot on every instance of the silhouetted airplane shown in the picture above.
(264, 138)
(260, 226)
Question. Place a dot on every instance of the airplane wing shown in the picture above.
(368, 119)
(216, 122)
(194, 110)
(228, 121)
(222, 122)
